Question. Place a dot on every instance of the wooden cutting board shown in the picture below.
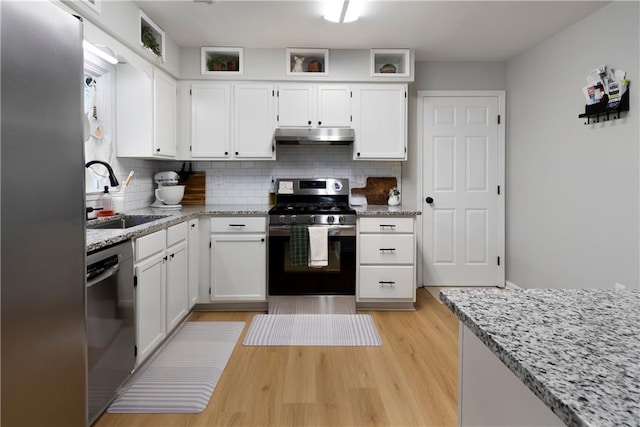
(194, 192)
(376, 190)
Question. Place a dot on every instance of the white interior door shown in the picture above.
(463, 210)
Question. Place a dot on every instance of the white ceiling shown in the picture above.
(436, 30)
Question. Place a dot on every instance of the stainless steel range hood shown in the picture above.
(321, 136)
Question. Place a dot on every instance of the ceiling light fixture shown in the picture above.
(99, 52)
(342, 11)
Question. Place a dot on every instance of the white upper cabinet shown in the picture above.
(230, 121)
(211, 120)
(254, 121)
(164, 114)
(146, 113)
(380, 121)
(314, 105)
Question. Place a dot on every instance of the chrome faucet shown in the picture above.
(112, 178)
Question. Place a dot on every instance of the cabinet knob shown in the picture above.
(157, 150)
(226, 153)
(262, 239)
(193, 226)
(236, 153)
(319, 123)
(429, 200)
(358, 154)
(309, 122)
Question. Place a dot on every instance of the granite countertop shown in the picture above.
(385, 210)
(578, 350)
(100, 238)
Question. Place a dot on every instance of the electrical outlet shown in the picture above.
(619, 286)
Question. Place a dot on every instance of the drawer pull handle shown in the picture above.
(387, 249)
(385, 283)
(237, 225)
(387, 226)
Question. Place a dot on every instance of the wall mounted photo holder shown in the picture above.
(603, 111)
(221, 60)
(307, 62)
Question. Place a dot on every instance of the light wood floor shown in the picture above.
(411, 380)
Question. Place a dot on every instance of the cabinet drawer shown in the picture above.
(386, 282)
(382, 249)
(177, 233)
(150, 244)
(386, 225)
(238, 224)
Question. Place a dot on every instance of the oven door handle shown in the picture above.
(334, 231)
(104, 275)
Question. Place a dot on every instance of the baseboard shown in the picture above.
(511, 285)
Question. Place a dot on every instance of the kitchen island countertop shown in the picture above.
(576, 349)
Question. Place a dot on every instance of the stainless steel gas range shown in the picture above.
(312, 215)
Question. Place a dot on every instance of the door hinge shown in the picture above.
(278, 118)
(350, 94)
(209, 291)
(273, 93)
(190, 148)
(498, 261)
(498, 190)
(135, 281)
(278, 94)
(405, 149)
(190, 91)
(350, 118)
(405, 93)
(209, 245)
(498, 118)
(273, 148)
(135, 350)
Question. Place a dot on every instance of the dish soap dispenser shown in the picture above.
(106, 203)
(272, 193)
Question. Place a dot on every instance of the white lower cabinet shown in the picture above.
(386, 262)
(177, 275)
(238, 259)
(194, 232)
(161, 286)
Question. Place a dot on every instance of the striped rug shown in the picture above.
(183, 375)
(312, 330)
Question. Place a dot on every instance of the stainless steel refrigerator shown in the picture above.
(42, 239)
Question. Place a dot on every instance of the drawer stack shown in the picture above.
(387, 252)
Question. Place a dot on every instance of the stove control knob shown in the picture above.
(342, 219)
(293, 219)
(330, 219)
(312, 219)
(283, 219)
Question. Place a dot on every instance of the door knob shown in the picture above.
(429, 200)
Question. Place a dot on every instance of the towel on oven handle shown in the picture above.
(318, 246)
(299, 245)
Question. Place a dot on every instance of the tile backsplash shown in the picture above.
(247, 182)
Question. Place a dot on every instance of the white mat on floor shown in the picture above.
(183, 375)
(312, 330)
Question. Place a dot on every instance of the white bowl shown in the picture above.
(170, 194)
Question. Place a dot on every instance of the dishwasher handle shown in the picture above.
(104, 275)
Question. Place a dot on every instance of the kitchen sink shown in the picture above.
(126, 221)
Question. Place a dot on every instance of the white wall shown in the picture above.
(573, 190)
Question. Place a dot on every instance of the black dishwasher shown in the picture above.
(110, 324)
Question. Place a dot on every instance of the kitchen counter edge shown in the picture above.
(97, 239)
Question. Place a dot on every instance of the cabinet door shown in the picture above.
(334, 106)
(164, 114)
(296, 105)
(254, 121)
(134, 112)
(193, 262)
(238, 267)
(380, 121)
(150, 305)
(210, 120)
(177, 285)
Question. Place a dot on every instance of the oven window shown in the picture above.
(334, 260)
